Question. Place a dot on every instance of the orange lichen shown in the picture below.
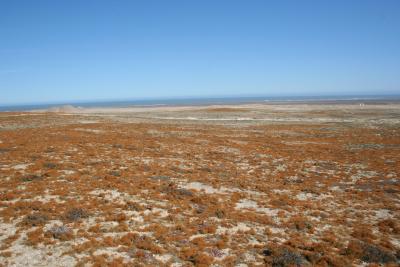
(35, 237)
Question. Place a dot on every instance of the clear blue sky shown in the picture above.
(87, 50)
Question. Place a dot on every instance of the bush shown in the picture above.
(50, 165)
(60, 232)
(31, 177)
(373, 253)
(282, 256)
(287, 258)
(76, 214)
(35, 219)
(369, 252)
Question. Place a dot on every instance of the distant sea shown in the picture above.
(201, 101)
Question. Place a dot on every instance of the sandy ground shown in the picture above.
(224, 185)
(354, 112)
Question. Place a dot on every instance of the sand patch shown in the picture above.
(21, 166)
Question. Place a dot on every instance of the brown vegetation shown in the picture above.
(111, 194)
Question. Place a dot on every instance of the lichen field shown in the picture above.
(317, 189)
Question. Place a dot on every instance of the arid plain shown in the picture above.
(305, 184)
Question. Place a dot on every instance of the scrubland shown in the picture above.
(262, 185)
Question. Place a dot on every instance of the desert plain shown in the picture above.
(263, 184)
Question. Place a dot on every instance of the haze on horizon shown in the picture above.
(55, 51)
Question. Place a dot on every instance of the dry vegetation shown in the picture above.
(109, 193)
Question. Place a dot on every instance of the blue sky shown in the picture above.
(57, 51)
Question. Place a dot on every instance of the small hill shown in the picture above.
(65, 109)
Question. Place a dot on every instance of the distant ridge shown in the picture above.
(64, 109)
(78, 106)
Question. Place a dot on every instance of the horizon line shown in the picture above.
(168, 98)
